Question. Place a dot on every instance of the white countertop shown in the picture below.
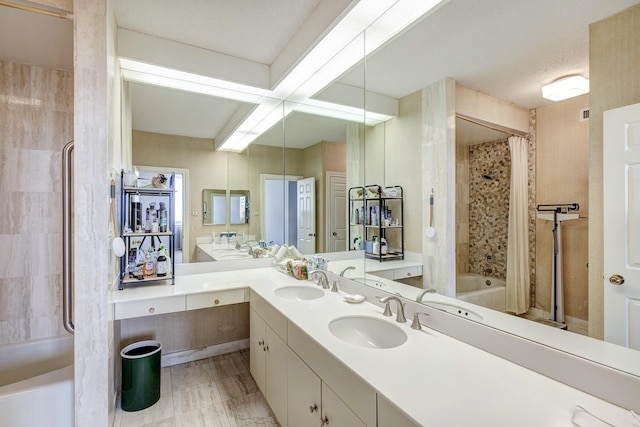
(432, 378)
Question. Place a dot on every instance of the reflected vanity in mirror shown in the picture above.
(214, 207)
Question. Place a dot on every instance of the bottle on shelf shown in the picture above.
(162, 215)
(135, 220)
(376, 246)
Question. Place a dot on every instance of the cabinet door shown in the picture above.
(334, 411)
(276, 374)
(390, 416)
(303, 391)
(256, 349)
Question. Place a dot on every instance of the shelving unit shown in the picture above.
(163, 237)
(383, 200)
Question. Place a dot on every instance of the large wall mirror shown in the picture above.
(447, 161)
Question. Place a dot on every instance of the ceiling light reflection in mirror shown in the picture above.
(334, 54)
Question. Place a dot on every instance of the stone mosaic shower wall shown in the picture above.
(489, 186)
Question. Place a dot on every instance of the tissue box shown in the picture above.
(368, 246)
(143, 182)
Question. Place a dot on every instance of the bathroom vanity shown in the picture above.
(308, 368)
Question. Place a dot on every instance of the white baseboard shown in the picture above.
(203, 353)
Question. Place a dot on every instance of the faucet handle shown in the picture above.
(334, 286)
(387, 306)
(416, 320)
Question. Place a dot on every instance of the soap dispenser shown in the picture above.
(376, 246)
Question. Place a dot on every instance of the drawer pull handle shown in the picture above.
(313, 408)
(152, 309)
(325, 420)
(216, 301)
(260, 343)
(409, 274)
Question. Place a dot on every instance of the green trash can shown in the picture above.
(140, 375)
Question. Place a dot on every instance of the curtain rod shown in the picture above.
(487, 126)
(37, 10)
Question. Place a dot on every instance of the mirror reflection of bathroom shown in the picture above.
(556, 172)
(180, 214)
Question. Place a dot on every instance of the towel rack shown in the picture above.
(67, 297)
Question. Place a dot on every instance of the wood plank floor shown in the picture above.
(214, 392)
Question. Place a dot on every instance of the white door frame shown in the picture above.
(185, 201)
(327, 204)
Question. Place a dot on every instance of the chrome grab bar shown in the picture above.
(67, 300)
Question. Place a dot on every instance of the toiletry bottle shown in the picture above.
(376, 246)
(384, 248)
(135, 219)
(162, 215)
(147, 268)
(147, 223)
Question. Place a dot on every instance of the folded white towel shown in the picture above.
(281, 252)
(294, 253)
(274, 250)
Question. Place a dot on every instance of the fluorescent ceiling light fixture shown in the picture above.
(365, 28)
(140, 72)
(344, 112)
(566, 87)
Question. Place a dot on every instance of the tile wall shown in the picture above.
(36, 121)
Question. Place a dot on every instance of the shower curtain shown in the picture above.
(517, 294)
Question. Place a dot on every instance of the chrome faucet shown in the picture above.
(323, 280)
(424, 292)
(387, 310)
(487, 271)
(344, 270)
(245, 245)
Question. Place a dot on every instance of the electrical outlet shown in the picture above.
(194, 212)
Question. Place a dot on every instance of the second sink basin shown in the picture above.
(300, 293)
(367, 332)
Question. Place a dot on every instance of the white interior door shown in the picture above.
(621, 168)
(306, 216)
(336, 229)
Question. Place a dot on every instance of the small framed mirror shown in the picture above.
(214, 207)
(239, 207)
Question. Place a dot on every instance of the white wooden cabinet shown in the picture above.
(390, 416)
(268, 365)
(335, 412)
(304, 393)
(312, 402)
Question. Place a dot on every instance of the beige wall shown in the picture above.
(614, 60)
(562, 176)
(403, 166)
(33, 135)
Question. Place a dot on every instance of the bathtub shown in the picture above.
(36, 383)
(481, 290)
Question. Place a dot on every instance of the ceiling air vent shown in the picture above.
(584, 115)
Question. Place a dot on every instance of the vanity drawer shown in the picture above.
(215, 298)
(149, 307)
(405, 272)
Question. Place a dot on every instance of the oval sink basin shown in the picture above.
(299, 293)
(367, 332)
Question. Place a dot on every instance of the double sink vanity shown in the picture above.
(321, 357)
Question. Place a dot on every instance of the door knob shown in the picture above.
(312, 234)
(616, 279)
(334, 234)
